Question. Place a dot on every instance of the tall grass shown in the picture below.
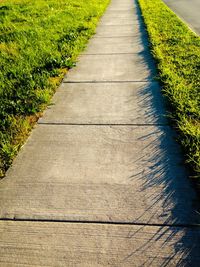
(38, 40)
(177, 52)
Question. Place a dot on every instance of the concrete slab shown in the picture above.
(105, 68)
(90, 245)
(118, 45)
(118, 20)
(118, 11)
(99, 173)
(107, 103)
(107, 178)
(125, 5)
(117, 30)
(117, 17)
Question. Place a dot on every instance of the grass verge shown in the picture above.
(177, 52)
(39, 40)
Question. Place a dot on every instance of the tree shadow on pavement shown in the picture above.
(173, 203)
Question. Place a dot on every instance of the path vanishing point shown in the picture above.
(101, 179)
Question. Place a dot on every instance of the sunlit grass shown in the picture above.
(177, 52)
(38, 40)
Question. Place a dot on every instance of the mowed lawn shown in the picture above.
(39, 41)
(177, 52)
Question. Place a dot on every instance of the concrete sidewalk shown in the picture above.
(101, 180)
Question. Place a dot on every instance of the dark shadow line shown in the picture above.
(178, 225)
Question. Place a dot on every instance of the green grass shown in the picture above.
(39, 40)
(177, 52)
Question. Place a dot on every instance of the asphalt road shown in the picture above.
(188, 10)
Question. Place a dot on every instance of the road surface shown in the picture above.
(188, 10)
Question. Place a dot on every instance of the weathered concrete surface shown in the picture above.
(120, 19)
(119, 67)
(99, 173)
(102, 173)
(118, 10)
(120, 45)
(117, 30)
(107, 103)
(88, 245)
(134, 66)
(188, 11)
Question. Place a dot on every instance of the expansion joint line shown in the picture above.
(177, 225)
(107, 54)
(133, 81)
(103, 124)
